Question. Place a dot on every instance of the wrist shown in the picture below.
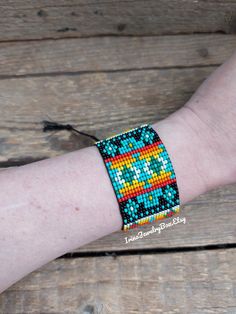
(185, 140)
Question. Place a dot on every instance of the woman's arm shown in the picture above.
(54, 206)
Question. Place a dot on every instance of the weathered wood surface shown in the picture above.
(99, 103)
(81, 18)
(113, 53)
(100, 66)
(183, 282)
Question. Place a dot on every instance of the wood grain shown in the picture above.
(183, 282)
(102, 66)
(99, 103)
(21, 20)
(113, 53)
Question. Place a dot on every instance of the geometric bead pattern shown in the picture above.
(141, 174)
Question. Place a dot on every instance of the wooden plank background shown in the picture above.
(190, 282)
(84, 18)
(105, 66)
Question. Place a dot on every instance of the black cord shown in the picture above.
(55, 126)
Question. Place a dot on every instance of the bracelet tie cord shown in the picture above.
(142, 176)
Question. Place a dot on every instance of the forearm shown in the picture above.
(53, 206)
(56, 205)
(201, 136)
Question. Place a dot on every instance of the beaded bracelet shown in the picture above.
(141, 174)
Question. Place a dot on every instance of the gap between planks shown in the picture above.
(151, 251)
(109, 54)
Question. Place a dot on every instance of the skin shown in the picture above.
(54, 206)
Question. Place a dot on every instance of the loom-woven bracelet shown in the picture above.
(141, 174)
